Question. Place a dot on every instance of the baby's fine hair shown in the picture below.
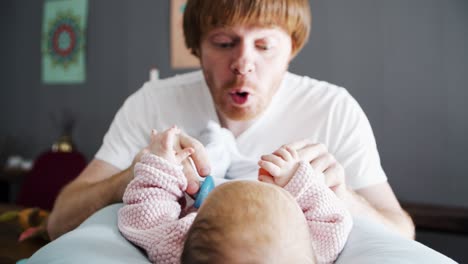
(244, 219)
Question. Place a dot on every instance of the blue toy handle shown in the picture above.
(205, 189)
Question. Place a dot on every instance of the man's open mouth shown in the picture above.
(239, 97)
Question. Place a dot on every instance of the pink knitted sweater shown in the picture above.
(150, 217)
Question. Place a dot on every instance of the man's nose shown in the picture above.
(243, 62)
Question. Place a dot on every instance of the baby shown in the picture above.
(294, 218)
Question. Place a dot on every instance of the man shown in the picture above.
(244, 48)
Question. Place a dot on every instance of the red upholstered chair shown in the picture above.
(51, 171)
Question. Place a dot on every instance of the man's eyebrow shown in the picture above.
(223, 34)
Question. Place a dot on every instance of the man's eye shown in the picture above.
(225, 45)
(264, 47)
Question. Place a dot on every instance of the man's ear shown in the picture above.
(293, 52)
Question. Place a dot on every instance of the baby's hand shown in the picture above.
(167, 146)
(281, 166)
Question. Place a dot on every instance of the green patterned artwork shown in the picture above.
(64, 41)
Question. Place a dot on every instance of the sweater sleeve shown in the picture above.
(328, 219)
(150, 215)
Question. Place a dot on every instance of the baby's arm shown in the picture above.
(328, 219)
(150, 215)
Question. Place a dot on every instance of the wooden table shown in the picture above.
(10, 249)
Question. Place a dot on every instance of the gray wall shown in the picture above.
(405, 61)
(407, 64)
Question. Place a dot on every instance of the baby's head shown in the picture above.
(248, 222)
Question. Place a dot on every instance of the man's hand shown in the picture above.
(181, 140)
(199, 158)
(166, 145)
(323, 162)
(279, 167)
(377, 201)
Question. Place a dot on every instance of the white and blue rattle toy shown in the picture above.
(206, 187)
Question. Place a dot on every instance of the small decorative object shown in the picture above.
(66, 124)
(11, 149)
(64, 41)
(63, 144)
(181, 57)
(154, 74)
(32, 222)
(16, 162)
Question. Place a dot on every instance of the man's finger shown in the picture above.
(323, 162)
(199, 157)
(183, 154)
(192, 177)
(298, 144)
(311, 152)
(292, 152)
(333, 175)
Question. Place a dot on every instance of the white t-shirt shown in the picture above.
(302, 108)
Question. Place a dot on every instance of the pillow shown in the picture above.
(98, 240)
(371, 242)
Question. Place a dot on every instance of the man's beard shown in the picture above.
(239, 114)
